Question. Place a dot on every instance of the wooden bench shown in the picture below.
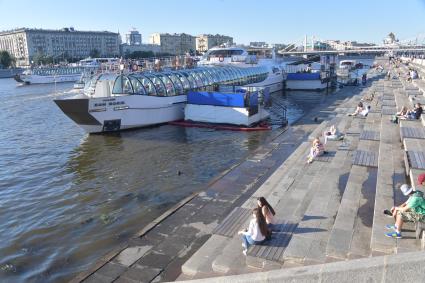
(365, 158)
(274, 248)
(230, 226)
(409, 132)
(416, 159)
(370, 135)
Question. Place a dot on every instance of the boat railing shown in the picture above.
(281, 112)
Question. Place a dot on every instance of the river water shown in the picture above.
(67, 198)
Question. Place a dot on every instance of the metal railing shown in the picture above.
(280, 112)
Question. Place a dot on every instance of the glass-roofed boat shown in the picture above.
(239, 57)
(52, 75)
(113, 102)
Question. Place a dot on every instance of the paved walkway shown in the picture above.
(160, 250)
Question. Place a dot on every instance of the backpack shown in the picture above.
(394, 119)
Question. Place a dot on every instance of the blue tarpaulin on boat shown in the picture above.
(303, 76)
(216, 98)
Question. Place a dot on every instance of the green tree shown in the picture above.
(41, 59)
(140, 54)
(6, 60)
(94, 53)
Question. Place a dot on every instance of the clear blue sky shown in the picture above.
(273, 21)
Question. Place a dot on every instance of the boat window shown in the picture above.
(122, 85)
(244, 76)
(227, 74)
(240, 76)
(178, 85)
(137, 86)
(213, 74)
(195, 80)
(205, 80)
(169, 87)
(233, 75)
(251, 76)
(159, 85)
(185, 81)
(148, 85)
(209, 75)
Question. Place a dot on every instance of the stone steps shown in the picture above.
(298, 193)
(308, 243)
(335, 205)
(390, 176)
(288, 192)
(384, 196)
(203, 263)
(351, 233)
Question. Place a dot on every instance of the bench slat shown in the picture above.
(416, 159)
(365, 158)
(233, 222)
(409, 132)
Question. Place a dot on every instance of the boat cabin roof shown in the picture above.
(172, 83)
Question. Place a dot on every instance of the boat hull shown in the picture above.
(110, 114)
(224, 115)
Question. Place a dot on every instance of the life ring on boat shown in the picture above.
(221, 58)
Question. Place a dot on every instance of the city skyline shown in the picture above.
(245, 21)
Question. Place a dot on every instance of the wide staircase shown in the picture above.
(332, 209)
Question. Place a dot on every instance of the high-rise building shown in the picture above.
(133, 37)
(176, 44)
(204, 42)
(61, 44)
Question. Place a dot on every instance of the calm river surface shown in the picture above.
(66, 198)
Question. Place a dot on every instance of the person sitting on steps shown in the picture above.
(267, 211)
(414, 113)
(256, 232)
(359, 109)
(317, 149)
(413, 210)
(402, 112)
(332, 134)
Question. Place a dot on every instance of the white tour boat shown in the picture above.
(309, 75)
(239, 57)
(113, 102)
(50, 75)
